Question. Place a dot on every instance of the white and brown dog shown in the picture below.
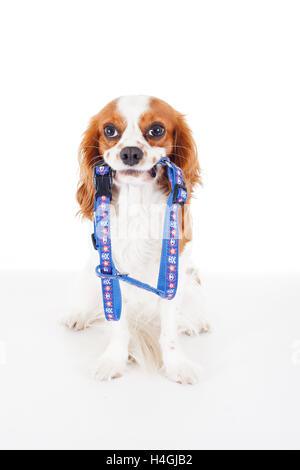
(131, 134)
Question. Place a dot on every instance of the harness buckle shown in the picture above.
(180, 194)
(103, 180)
(102, 275)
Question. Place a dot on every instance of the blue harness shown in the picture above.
(106, 270)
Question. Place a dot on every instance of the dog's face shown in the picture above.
(131, 134)
(135, 132)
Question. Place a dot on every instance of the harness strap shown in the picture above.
(110, 277)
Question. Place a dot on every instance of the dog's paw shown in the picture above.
(201, 326)
(81, 321)
(183, 371)
(108, 368)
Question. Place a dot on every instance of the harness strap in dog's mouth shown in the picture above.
(168, 272)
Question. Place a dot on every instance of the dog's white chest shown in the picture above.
(136, 229)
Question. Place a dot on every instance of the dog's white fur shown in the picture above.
(147, 322)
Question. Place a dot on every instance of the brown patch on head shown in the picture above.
(159, 113)
(109, 115)
(91, 149)
(177, 140)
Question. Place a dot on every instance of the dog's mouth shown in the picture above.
(137, 173)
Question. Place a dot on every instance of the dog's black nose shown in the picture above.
(131, 155)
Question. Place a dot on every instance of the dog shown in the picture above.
(131, 134)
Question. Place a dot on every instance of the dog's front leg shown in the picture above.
(112, 363)
(175, 365)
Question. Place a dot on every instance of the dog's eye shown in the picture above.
(111, 132)
(156, 131)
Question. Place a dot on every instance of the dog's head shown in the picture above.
(131, 134)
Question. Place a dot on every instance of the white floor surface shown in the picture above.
(248, 398)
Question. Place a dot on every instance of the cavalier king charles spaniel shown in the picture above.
(131, 134)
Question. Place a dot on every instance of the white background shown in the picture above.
(233, 68)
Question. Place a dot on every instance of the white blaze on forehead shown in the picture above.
(133, 107)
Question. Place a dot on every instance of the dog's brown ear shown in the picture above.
(185, 153)
(88, 156)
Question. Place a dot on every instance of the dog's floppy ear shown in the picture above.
(185, 153)
(88, 156)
